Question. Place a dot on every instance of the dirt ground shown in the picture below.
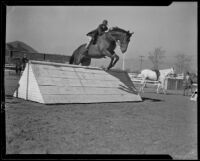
(161, 124)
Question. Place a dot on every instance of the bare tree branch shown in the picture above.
(183, 63)
(156, 57)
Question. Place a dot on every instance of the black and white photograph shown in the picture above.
(101, 80)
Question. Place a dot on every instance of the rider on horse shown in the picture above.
(157, 73)
(93, 35)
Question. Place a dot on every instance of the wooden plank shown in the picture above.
(50, 99)
(84, 90)
(78, 82)
(40, 73)
(61, 64)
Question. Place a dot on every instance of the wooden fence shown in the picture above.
(57, 58)
(172, 83)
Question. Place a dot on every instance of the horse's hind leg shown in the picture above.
(164, 91)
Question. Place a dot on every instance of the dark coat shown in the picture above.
(98, 31)
(187, 83)
(157, 72)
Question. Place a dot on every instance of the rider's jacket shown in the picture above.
(98, 31)
(101, 29)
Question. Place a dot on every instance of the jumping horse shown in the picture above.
(105, 46)
(148, 74)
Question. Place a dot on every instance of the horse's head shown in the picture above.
(167, 72)
(122, 36)
(172, 71)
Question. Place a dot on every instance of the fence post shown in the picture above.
(11, 53)
(176, 84)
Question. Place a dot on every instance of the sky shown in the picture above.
(61, 29)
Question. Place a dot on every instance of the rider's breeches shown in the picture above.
(89, 40)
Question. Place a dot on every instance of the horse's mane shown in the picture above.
(118, 29)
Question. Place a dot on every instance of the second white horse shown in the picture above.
(148, 74)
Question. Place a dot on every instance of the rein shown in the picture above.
(111, 37)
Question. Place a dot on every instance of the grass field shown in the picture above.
(160, 124)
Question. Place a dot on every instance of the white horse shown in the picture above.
(151, 75)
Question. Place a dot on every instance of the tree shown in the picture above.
(156, 57)
(182, 63)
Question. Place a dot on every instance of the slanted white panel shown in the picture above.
(33, 92)
(21, 91)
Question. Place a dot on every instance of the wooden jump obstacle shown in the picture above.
(55, 83)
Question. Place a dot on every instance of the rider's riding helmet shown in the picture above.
(105, 22)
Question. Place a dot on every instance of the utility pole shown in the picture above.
(141, 59)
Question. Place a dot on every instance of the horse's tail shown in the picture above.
(71, 60)
(141, 75)
(77, 55)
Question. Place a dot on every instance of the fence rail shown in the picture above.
(138, 80)
(172, 82)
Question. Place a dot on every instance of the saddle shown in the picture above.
(94, 34)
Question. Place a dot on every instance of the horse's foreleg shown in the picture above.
(111, 62)
(143, 85)
(107, 53)
(158, 87)
(116, 60)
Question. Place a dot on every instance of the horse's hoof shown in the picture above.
(104, 68)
